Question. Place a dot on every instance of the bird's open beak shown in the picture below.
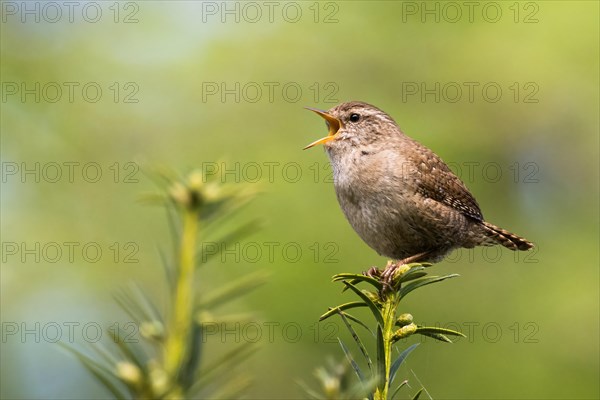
(333, 123)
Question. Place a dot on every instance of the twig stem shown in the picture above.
(176, 346)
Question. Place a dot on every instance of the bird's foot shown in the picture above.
(387, 276)
(373, 272)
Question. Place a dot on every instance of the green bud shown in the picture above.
(331, 386)
(195, 181)
(152, 330)
(158, 377)
(212, 192)
(129, 373)
(180, 194)
(404, 332)
(404, 319)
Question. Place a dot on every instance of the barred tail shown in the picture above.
(509, 240)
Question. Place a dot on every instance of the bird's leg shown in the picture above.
(388, 273)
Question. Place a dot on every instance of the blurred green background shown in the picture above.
(223, 85)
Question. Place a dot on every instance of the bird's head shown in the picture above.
(354, 123)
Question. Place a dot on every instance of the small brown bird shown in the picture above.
(398, 195)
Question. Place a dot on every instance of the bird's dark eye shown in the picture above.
(354, 117)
